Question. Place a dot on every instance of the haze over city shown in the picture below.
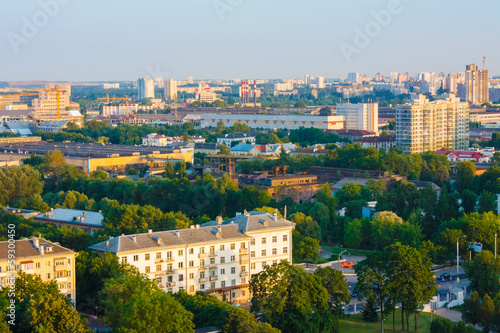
(222, 39)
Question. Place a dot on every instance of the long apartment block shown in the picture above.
(217, 257)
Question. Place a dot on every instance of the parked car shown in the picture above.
(445, 276)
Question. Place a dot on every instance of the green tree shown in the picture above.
(353, 235)
(486, 313)
(19, 184)
(220, 128)
(333, 281)
(307, 248)
(466, 171)
(291, 299)
(180, 169)
(469, 199)
(306, 225)
(482, 271)
(40, 307)
(370, 313)
(441, 325)
(487, 202)
(224, 150)
(169, 170)
(471, 310)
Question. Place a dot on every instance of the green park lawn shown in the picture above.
(355, 323)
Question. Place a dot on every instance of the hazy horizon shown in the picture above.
(65, 40)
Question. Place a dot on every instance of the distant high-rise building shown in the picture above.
(353, 77)
(361, 116)
(190, 79)
(145, 88)
(170, 89)
(429, 126)
(477, 85)
(320, 81)
(307, 79)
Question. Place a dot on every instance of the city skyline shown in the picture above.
(240, 39)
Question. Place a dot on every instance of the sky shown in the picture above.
(115, 40)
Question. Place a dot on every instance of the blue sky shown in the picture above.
(122, 40)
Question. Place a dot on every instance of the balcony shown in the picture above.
(158, 273)
(169, 259)
(202, 255)
(170, 284)
(161, 285)
(243, 250)
(214, 278)
(202, 267)
(169, 271)
(243, 274)
(213, 266)
(243, 261)
(212, 254)
(62, 267)
(203, 280)
(158, 261)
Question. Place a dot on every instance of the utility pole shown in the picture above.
(339, 257)
(495, 245)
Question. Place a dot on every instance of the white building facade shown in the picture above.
(145, 88)
(361, 116)
(218, 257)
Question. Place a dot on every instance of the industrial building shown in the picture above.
(272, 122)
(80, 219)
(90, 157)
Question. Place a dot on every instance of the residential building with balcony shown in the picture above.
(50, 261)
(218, 257)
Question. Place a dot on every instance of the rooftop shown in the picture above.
(27, 248)
(72, 216)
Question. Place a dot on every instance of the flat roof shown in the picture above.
(71, 216)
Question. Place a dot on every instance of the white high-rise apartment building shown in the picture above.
(353, 77)
(218, 257)
(429, 126)
(170, 89)
(145, 88)
(361, 116)
(320, 82)
(477, 85)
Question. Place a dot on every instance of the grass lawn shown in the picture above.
(355, 323)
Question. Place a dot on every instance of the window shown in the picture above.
(263, 240)
(233, 246)
(263, 253)
(47, 264)
(191, 263)
(275, 261)
(242, 293)
(222, 247)
(242, 245)
(285, 250)
(180, 265)
(252, 265)
(147, 256)
(222, 260)
(275, 251)
(222, 271)
(191, 289)
(124, 260)
(158, 268)
(202, 250)
(252, 254)
(285, 238)
(59, 262)
(148, 269)
(233, 258)
(191, 251)
(69, 261)
(243, 268)
(202, 263)
(191, 276)
(37, 266)
(158, 255)
(202, 275)
(180, 252)
(202, 286)
(264, 264)
(136, 257)
(233, 270)
(181, 277)
(233, 283)
(212, 285)
(212, 261)
(223, 283)
(252, 242)
(243, 280)
(48, 275)
(69, 286)
(275, 239)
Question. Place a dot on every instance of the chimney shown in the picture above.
(150, 231)
(177, 233)
(276, 171)
(191, 226)
(219, 220)
(134, 238)
(197, 226)
(52, 210)
(275, 215)
(107, 243)
(247, 213)
(283, 169)
(83, 214)
(42, 249)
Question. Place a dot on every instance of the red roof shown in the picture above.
(462, 153)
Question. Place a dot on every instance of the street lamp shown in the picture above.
(339, 257)
(458, 258)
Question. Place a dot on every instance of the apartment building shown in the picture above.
(429, 126)
(360, 116)
(218, 257)
(145, 88)
(476, 85)
(170, 89)
(50, 261)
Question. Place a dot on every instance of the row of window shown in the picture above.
(37, 265)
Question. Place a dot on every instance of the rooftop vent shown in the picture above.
(158, 239)
(219, 219)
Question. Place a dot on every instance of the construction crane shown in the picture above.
(58, 97)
